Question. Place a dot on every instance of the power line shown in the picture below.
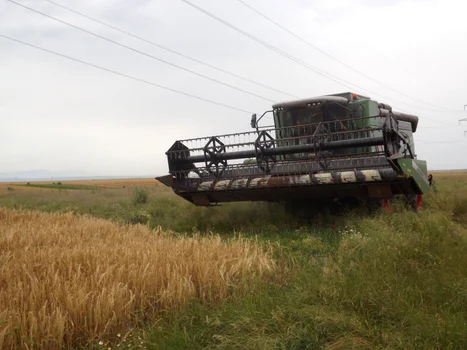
(295, 59)
(433, 142)
(440, 122)
(277, 50)
(336, 59)
(182, 68)
(124, 75)
(441, 127)
(156, 58)
(168, 49)
(464, 119)
(142, 53)
(132, 77)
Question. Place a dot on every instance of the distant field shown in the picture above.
(81, 184)
(457, 173)
(117, 183)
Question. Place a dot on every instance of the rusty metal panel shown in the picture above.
(371, 175)
(201, 200)
(380, 191)
(205, 186)
(323, 178)
(348, 177)
(305, 180)
(221, 185)
(239, 183)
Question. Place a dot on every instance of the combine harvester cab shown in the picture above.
(342, 146)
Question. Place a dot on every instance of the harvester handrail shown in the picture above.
(281, 128)
(251, 143)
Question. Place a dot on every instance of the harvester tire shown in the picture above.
(386, 204)
(415, 202)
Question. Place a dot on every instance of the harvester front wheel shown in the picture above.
(386, 204)
(415, 201)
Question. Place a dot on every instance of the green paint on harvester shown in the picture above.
(415, 169)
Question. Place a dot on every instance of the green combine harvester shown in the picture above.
(336, 148)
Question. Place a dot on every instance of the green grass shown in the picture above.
(162, 208)
(390, 281)
(397, 281)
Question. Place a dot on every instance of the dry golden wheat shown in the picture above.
(67, 280)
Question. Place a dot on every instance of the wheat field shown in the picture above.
(116, 183)
(99, 183)
(68, 280)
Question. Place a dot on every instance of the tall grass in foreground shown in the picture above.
(389, 281)
(404, 278)
(68, 280)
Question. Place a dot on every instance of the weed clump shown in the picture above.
(403, 271)
(459, 211)
(140, 195)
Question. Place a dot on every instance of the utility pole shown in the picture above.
(465, 119)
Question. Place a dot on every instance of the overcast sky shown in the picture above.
(72, 119)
